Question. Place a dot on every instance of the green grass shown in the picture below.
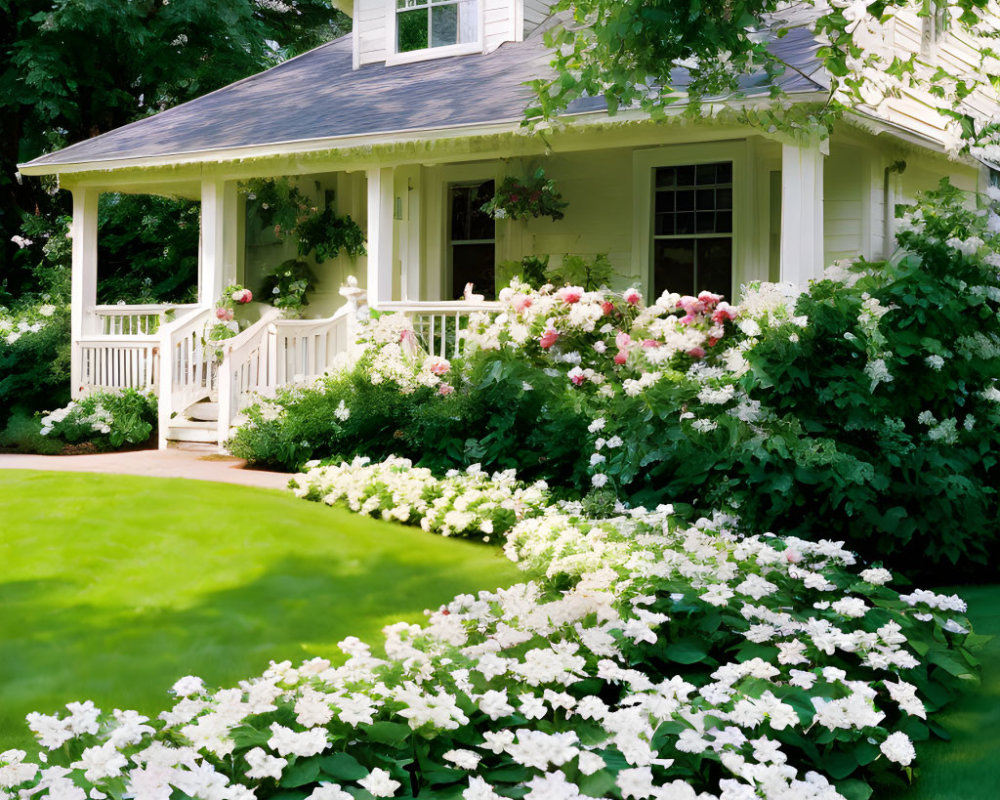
(967, 767)
(112, 587)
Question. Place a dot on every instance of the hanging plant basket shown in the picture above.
(520, 198)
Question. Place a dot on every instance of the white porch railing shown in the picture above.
(137, 320)
(439, 324)
(119, 362)
(139, 347)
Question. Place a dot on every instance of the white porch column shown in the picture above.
(380, 220)
(802, 212)
(83, 294)
(217, 256)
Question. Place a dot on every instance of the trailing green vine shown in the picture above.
(278, 203)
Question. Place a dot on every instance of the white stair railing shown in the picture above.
(248, 368)
(439, 325)
(307, 348)
(188, 366)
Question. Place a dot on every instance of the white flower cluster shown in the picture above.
(530, 691)
(99, 420)
(394, 354)
(467, 503)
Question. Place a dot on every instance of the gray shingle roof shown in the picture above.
(319, 96)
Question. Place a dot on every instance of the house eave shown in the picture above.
(277, 150)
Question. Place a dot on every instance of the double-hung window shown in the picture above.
(422, 24)
(693, 228)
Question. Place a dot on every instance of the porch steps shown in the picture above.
(191, 430)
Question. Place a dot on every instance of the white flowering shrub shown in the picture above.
(470, 503)
(654, 660)
(34, 357)
(106, 419)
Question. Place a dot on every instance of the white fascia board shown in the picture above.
(872, 123)
(309, 146)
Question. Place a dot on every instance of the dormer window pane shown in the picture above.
(435, 23)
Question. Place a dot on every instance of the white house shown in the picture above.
(407, 124)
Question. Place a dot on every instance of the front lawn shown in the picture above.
(113, 587)
(967, 766)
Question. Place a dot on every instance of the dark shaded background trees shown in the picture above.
(72, 69)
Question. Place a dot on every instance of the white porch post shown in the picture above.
(802, 212)
(217, 256)
(83, 294)
(380, 221)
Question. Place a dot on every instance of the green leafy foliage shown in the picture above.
(288, 284)
(280, 204)
(34, 358)
(106, 420)
(520, 198)
(77, 68)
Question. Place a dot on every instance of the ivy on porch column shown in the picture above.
(217, 256)
(802, 212)
(83, 295)
(381, 198)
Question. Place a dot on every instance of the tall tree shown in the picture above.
(654, 54)
(71, 69)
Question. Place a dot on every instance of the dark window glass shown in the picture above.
(692, 230)
(472, 236)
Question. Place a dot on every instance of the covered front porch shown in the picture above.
(710, 211)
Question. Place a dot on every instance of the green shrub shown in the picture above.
(23, 434)
(34, 358)
(107, 420)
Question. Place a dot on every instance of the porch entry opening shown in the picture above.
(693, 229)
(472, 236)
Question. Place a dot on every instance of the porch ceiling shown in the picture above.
(319, 96)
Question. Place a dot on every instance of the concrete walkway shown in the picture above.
(199, 465)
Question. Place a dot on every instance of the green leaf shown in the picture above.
(300, 773)
(855, 790)
(343, 767)
(392, 733)
(686, 651)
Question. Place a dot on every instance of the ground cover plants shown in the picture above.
(649, 657)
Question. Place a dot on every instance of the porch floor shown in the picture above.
(174, 462)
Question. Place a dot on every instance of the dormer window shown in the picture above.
(424, 24)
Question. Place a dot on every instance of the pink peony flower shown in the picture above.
(697, 352)
(647, 343)
(692, 305)
(722, 313)
(577, 376)
(632, 296)
(548, 338)
(247, 296)
(221, 312)
(570, 294)
(623, 340)
(446, 389)
(709, 299)
(607, 308)
(621, 357)
(793, 556)
(521, 303)
(688, 319)
(440, 367)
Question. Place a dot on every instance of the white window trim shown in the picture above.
(428, 53)
(644, 165)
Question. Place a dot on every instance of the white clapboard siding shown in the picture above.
(498, 23)
(371, 28)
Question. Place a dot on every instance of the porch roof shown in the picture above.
(319, 97)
